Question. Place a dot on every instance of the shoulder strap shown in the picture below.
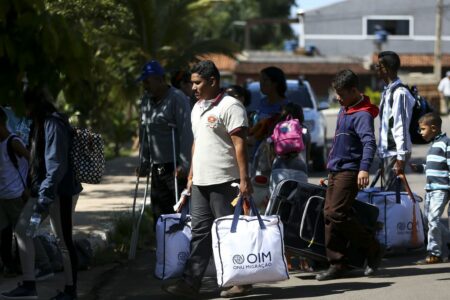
(393, 89)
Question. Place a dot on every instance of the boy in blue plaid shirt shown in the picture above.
(437, 186)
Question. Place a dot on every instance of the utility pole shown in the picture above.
(301, 29)
(437, 66)
(438, 41)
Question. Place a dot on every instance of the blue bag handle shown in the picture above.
(183, 218)
(184, 210)
(238, 211)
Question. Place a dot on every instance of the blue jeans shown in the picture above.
(438, 233)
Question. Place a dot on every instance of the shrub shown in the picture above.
(374, 96)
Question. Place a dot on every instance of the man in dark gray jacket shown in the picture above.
(164, 111)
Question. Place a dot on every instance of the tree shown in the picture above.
(38, 47)
(122, 35)
(88, 53)
(220, 21)
(166, 32)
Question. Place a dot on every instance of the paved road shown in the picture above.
(399, 278)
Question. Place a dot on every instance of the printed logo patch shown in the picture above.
(212, 121)
(238, 259)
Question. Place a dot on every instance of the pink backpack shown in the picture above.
(287, 136)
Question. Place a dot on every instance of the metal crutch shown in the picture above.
(174, 152)
(132, 250)
(137, 223)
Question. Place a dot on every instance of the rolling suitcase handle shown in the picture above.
(312, 241)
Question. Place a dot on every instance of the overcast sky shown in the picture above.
(308, 5)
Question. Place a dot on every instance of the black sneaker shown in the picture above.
(63, 296)
(20, 292)
(181, 289)
(42, 274)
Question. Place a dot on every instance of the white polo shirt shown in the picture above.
(444, 86)
(213, 121)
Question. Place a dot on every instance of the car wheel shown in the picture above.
(319, 158)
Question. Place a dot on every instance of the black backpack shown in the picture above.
(421, 107)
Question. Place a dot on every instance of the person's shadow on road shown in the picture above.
(305, 291)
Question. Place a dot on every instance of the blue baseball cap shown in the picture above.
(152, 68)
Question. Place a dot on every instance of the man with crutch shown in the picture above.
(165, 139)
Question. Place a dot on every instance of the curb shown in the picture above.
(98, 239)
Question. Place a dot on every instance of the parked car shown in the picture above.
(301, 93)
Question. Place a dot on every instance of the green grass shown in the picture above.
(120, 237)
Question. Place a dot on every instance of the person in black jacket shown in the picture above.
(53, 189)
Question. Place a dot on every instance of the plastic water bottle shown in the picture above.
(255, 118)
(35, 221)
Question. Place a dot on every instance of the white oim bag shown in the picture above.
(248, 249)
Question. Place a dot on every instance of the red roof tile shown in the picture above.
(419, 60)
(222, 62)
(303, 68)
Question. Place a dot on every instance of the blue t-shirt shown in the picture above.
(267, 110)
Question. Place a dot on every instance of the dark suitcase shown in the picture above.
(300, 207)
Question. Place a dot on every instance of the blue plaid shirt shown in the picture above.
(20, 126)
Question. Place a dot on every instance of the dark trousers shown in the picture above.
(341, 226)
(6, 246)
(389, 175)
(66, 213)
(207, 203)
(162, 191)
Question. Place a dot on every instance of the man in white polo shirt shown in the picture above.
(444, 90)
(219, 158)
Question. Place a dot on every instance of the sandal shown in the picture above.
(430, 259)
